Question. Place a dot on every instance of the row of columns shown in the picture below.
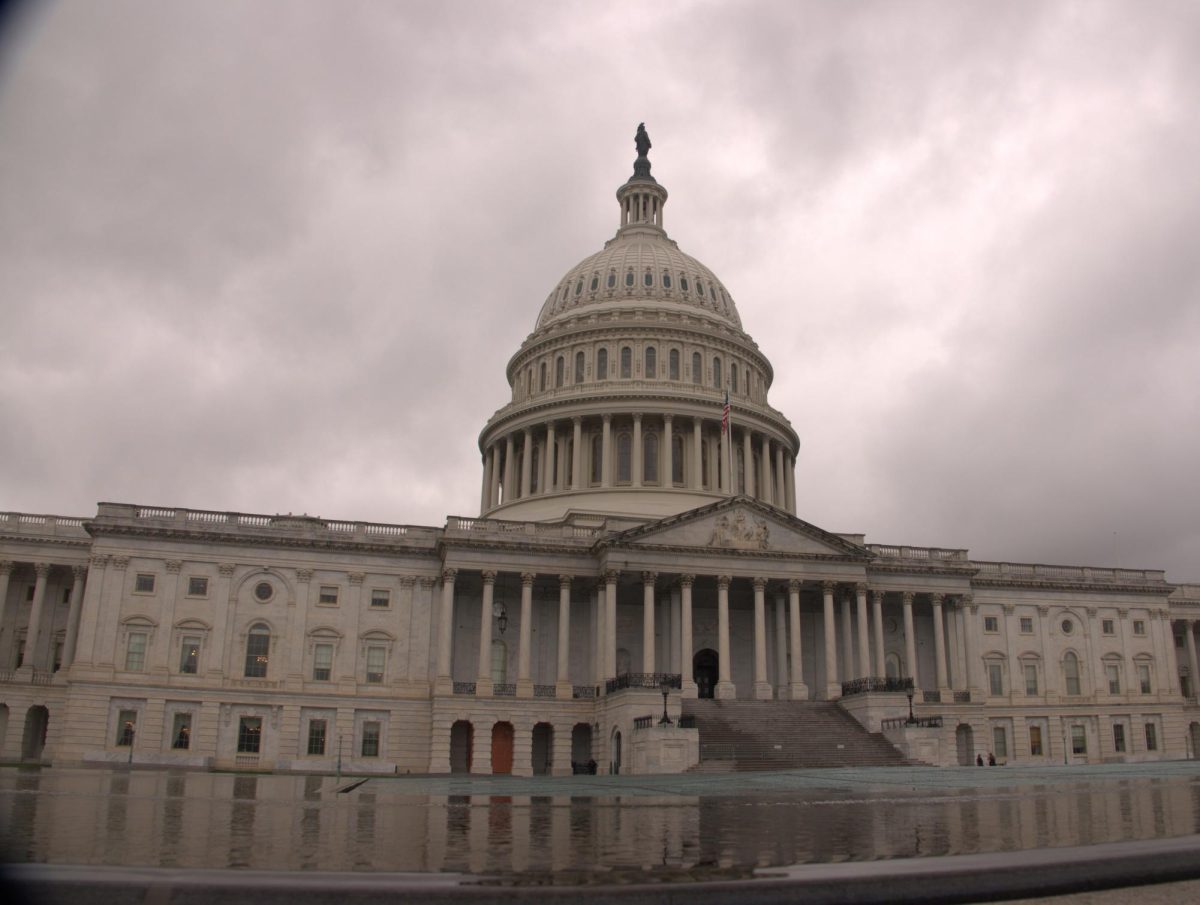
(38, 649)
(1189, 638)
(505, 480)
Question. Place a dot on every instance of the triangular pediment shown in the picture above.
(739, 524)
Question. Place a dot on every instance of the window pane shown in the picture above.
(674, 364)
(144, 583)
(579, 367)
(328, 595)
(258, 645)
(181, 732)
(381, 597)
(1118, 738)
(651, 362)
(1078, 740)
(999, 741)
(249, 735)
(602, 364)
(370, 739)
(376, 657)
(1114, 679)
(995, 678)
(1026, 625)
(733, 375)
(559, 369)
(1071, 670)
(677, 459)
(1031, 682)
(626, 362)
(1151, 737)
(197, 587)
(1035, 741)
(1144, 678)
(717, 381)
(597, 457)
(322, 662)
(135, 653)
(316, 736)
(697, 368)
(126, 727)
(189, 655)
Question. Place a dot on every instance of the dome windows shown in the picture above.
(559, 372)
(666, 280)
(578, 288)
(629, 279)
(648, 279)
(683, 283)
(651, 362)
(624, 458)
(626, 362)
(673, 364)
(595, 282)
(717, 381)
(697, 368)
(700, 288)
(612, 280)
(602, 364)
(542, 381)
(650, 458)
(733, 381)
(579, 367)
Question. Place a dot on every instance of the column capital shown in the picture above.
(649, 577)
(357, 578)
(606, 418)
(406, 581)
(448, 575)
(173, 566)
(829, 586)
(877, 595)
(668, 418)
(564, 581)
(577, 420)
(489, 576)
(1123, 612)
(908, 598)
(686, 581)
(1009, 608)
(759, 583)
(6, 566)
(304, 575)
(611, 576)
(723, 581)
(860, 587)
(527, 579)
(966, 600)
(42, 569)
(1043, 611)
(794, 585)
(78, 571)
(226, 569)
(936, 597)
(529, 433)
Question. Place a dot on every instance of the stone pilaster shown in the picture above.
(483, 675)
(524, 654)
(833, 690)
(685, 629)
(797, 690)
(762, 688)
(725, 688)
(562, 676)
(910, 641)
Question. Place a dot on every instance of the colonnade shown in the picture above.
(1189, 642)
(39, 649)
(577, 453)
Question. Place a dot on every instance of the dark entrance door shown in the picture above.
(704, 671)
(502, 748)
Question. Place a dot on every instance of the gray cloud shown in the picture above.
(276, 258)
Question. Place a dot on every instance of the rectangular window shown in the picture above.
(1078, 740)
(316, 737)
(1026, 625)
(1035, 741)
(126, 728)
(1151, 737)
(1119, 738)
(1031, 682)
(144, 583)
(370, 739)
(1144, 677)
(181, 732)
(381, 597)
(135, 652)
(258, 652)
(999, 742)
(991, 624)
(376, 657)
(995, 679)
(197, 586)
(1113, 672)
(1107, 627)
(249, 735)
(189, 655)
(322, 662)
(1139, 627)
(329, 595)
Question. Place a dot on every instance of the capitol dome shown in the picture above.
(618, 396)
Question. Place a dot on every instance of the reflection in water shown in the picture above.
(302, 822)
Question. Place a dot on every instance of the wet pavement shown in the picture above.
(582, 830)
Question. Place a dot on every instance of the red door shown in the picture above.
(502, 748)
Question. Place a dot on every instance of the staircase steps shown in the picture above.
(784, 735)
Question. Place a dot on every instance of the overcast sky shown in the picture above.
(274, 257)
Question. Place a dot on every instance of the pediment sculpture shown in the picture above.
(740, 533)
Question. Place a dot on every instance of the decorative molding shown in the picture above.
(488, 576)
(120, 563)
(723, 581)
(739, 534)
(448, 575)
(794, 585)
(527, 579)
(564, 581)
(173, 566)
(357, 578)
(226, 569)
(758, 583)
(42, 569)
(649, 578)
(687, 580)
(304, 575)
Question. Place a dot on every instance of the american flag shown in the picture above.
(725, 415)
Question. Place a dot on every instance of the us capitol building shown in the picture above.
(637, 594)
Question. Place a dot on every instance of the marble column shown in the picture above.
(610, 624)
(847, 630)
(636, 457)
(445, 684)
(576, 453)
(510, 473)
(697, 475)
(79, 573)
(606, 453)
(485, 492)
(910, 641)
(780, 479)
(766, 492)
(648, 579)
(790, 477)
(864, 633)
(550, 484)
(725, 478)
(939, 644)
(524, 658)
(1189, 627)
(483, 677)
(6, 568)
(666, 477)
(798, 691)
(725, 688)
(747, 464)
(970, 667)
(833, 690)
(877, 623)
(781, 646)
(762, 688)
(685, 632)
(563, 675)
(526, 462)
(32, 658)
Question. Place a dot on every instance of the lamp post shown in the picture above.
(912, 720)
(665, 688)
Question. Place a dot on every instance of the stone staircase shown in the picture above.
(784, 735)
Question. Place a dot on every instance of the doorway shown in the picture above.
(964, 737)
(705, 667)
(37, 719)
(461, 745)
(614, 766)
(543, 747)
(502, 748)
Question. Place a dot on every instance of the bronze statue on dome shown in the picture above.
(642, 140)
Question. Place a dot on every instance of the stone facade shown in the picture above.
(633, 533)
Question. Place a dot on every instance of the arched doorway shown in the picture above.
(3, 725)
(462, 743)
(614, 766)
(37, 719)
(704, 672)
(581, 747)
(1194, 731)
(964, 738)
(543, 748)
(502, 748)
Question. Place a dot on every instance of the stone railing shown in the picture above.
(643, 722)
(903, 722)
(31, 677)
(1073, 574)
(505, 689)
(581, 692)
(962, 697)
(920, 554)
(874, 683)
(42, 525)
(504, 528)
(464, 688)
(544, 691)
(649, 680)
(931, 697)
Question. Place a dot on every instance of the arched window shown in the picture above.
(717, 382)
(624, 458)
(258, 651)
(626, 362)
(612, 280)
(1071, 673)
(559, 371)
(602, 364)
(499, 662)
(697, 368)
(673, 364)
(542, 382)
(650, 458)
(666, 280)
(699, 288)
(629, 278)
(733, 383)
(648, 279)
(535, 469)
(677, 459)
(595, 282)
(651, 362)
(579, 367)
(683, 283)
(579, 287)
(597, 457)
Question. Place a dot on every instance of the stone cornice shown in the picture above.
(265, 538)
(1158, 590)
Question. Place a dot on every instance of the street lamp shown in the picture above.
(912, 720)
(665, 688)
